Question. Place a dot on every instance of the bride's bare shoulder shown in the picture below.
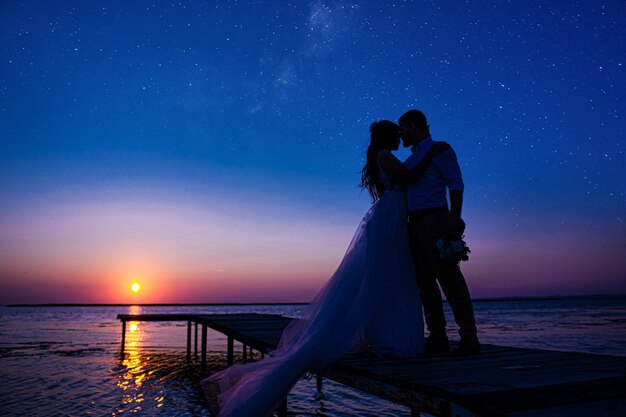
(385, 156)
(389, 162)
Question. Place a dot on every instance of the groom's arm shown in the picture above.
(457, 225)
(451, 172)
(399, 171)
(456, 202)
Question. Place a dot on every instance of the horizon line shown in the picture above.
(479, 300)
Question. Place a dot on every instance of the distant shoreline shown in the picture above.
(477, 300)
(150, 305)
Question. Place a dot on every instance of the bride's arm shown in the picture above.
(399, 171)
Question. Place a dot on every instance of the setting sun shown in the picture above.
(136, 287)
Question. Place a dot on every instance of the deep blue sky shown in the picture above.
(261, 109)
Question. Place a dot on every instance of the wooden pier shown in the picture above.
(500, 381)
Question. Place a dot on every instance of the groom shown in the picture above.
(431, 219)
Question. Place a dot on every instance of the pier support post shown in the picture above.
(203, 353)
(318, 383)
(230, 358)
(188, 341)
(245, 353)
(195, 340)
(415, 412)
(123, 335)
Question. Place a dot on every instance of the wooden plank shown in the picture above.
(376, 379)
(244, 337)
(153, 317)
(549, 396)
(432, 400)
(613, 408)
(482, 374)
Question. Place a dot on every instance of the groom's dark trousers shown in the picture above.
(425, 227)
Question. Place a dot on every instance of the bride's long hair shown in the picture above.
(383, 135)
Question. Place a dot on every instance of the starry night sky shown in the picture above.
(212, 150)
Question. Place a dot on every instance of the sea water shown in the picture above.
(67, 360)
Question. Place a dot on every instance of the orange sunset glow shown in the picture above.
(221, 253)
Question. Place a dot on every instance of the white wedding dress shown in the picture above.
(370, 303)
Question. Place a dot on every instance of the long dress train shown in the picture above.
(370, 302)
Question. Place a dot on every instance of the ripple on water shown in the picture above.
(99, 381)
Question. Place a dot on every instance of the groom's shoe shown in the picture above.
(436, 344)
(469, 345)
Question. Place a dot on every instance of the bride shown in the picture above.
(371, 303)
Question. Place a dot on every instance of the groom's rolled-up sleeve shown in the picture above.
(451, 171)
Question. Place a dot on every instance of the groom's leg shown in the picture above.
(455, 288)
(426, 280)
(450, 278)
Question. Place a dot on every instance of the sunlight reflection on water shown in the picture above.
(131, 381)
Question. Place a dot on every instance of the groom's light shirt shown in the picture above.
(444, 172)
